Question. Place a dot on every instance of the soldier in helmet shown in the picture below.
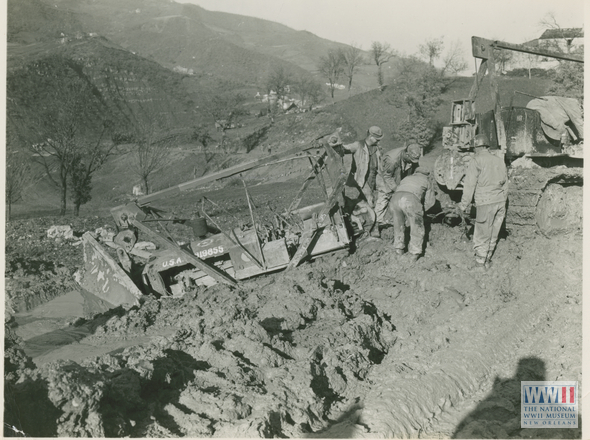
(397, 164)
(413, 196)
(361, 184)
(486, 179)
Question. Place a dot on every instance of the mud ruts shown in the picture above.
(280, 358)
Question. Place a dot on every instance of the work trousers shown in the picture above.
(382, 204)
(488, 222)
(406, 206)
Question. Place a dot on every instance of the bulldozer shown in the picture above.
(119, 273)
(542, 144)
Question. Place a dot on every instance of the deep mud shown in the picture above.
(361, 345)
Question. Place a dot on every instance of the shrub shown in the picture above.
(523, 72)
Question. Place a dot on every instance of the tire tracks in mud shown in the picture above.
(460, 328)
(410, 408)
(409, 405)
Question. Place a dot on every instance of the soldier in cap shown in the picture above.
(366, 162)
(486, 179)
(396, 164)
(413, 196)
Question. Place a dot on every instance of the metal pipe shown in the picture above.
(254, 224)
(235, 242)
(168, 192)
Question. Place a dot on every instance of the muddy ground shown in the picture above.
(360, 344)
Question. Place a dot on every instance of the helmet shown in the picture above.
(376, 132)
(481, 140)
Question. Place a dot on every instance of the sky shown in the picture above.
(405, 24)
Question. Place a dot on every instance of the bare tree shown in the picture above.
(308, 90)
(353, 58)
(18, 176)
(316, 94)
(86, 163)
(332, 67)
(531, 60)
(18, 171)
(57, 114)
(201, 134)
(453, 60)
(224, 108)
(432, 49)
(151, 148)
(68, 155)
(502, 58)
(278, 81)
(381, 54)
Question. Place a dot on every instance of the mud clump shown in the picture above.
(283, 356)
(39, 268)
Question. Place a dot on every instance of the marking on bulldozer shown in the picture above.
(171, 262)
(210, 252)
(203, 243)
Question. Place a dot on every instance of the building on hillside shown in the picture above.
(562, 40)
(567, 40)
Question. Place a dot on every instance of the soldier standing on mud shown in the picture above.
(487, 179)
(363, 176)
(396, 164)
(413, 196)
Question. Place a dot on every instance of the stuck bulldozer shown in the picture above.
(119, 273)
(542, 144)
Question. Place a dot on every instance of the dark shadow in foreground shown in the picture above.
(499, 414)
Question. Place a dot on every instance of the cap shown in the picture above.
(414, 152)
(481, 140)
(422, 170)
(375, 132)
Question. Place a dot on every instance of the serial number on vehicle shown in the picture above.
(201, 254)
(210, 252)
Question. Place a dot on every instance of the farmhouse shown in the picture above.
(567, 40)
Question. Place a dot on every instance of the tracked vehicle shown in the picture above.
(119, 273)
(542, 143)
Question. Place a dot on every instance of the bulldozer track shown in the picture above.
(532, 202)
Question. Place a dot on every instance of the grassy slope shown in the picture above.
(371, 108)
(113, 185)
(184, 35)
(238, 49)
(299, 47)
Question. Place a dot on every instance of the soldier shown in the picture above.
(486, 177)
(396, 164)
(413, 196)
(363, 175)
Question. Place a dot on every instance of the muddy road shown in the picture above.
(361, 344)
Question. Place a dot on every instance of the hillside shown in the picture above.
(113, 185)
(120, 81)
(175, 35)
(301, 48)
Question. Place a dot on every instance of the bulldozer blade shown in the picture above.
(103, 276)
